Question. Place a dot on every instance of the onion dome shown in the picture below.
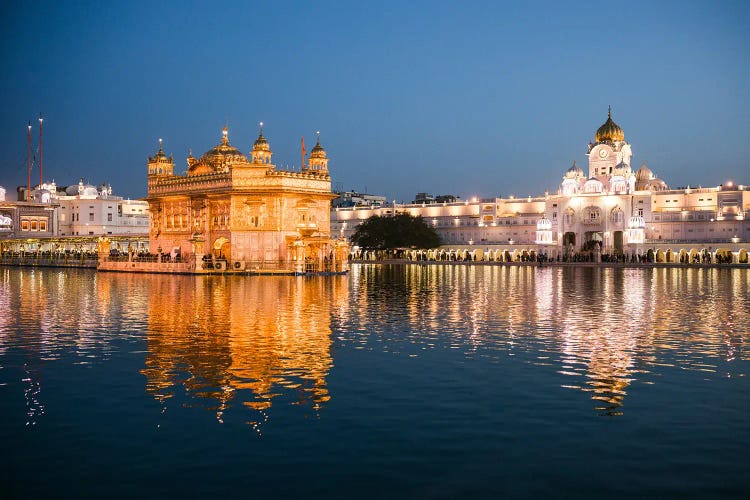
(574, 171)
(644, 173)
(610, 131)
(261, 144)
(318, 151)
(218, 158)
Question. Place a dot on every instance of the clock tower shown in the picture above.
(609, 149)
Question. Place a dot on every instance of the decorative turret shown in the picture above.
(318, 161)
(160, 164)
(261, 152)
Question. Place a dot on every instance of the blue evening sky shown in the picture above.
(465, 98)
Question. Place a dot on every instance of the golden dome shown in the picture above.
(218, 158)
(159, 156)
(318, 151)
(261, 144)
(610, 131)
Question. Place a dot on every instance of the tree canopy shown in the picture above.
(399, 231)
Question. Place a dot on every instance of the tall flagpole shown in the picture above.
(40, 150)
(302, 165)
(28, 165)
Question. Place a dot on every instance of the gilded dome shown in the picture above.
(219, 158)
(318, 151)
(261, 144)
(159, 156)
(610, 131)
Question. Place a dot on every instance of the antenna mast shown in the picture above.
(40, 150)
(28, 165)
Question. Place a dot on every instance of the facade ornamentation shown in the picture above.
(246, 213)
(622, 211)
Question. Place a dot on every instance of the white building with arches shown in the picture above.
(613, 208)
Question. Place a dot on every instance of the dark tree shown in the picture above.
(400, 231)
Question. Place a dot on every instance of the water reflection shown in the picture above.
(602, 328)
(244, 341)
(239, 346)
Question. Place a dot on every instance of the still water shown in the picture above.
(394, 381)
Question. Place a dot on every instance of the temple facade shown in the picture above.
(612, 207)
(235, 212)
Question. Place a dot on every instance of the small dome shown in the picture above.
(644, 173)
(574, 171)
(318, 151)
(219, 157)
(261, 144)
(610, 131)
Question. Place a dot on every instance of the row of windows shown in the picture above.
(33, 225)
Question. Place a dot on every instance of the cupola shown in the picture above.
(610, 131)
(261, 152)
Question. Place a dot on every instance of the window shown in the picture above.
(91, 216)
(43, 225)
(109, 217)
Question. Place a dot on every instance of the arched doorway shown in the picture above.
(618, 242)
(660, 255)
(670, 256)
(724, 256)
(743, 257)
(222, 248)
(569, 239)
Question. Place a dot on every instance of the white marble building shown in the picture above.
(618, 208)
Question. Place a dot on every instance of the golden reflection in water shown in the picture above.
(247, 340)
(603, 327)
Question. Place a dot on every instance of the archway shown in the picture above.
(683, 256)
(569, 239)
(618, 242)
(693, 256)
(222, 248)
(670, 255)
(743, 257)
(724, 256)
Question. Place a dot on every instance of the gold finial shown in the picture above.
(160, 144)
(609, 111)
(225, 135)
(318, 132)
(261, 128)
